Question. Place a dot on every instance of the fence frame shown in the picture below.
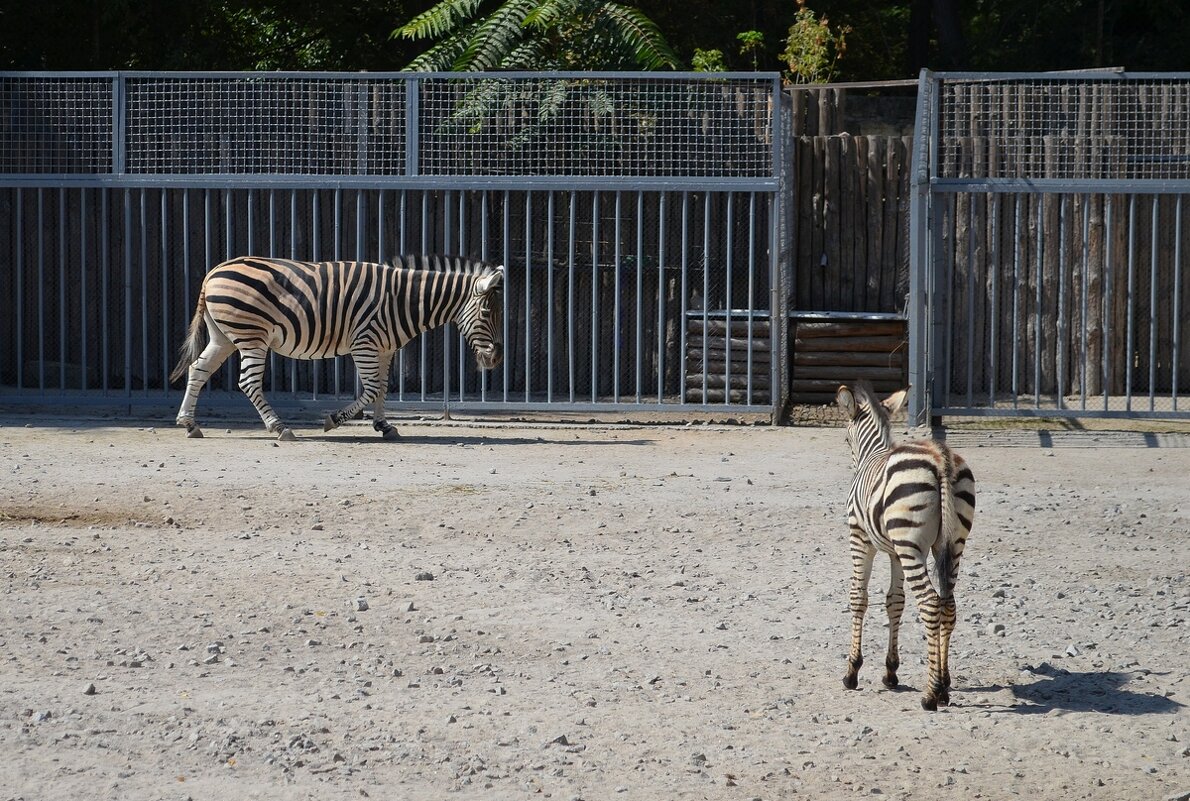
(768, 243)
(938, 260)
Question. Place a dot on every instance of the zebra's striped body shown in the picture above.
(906, 500)
(315, 310)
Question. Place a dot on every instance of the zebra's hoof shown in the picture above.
(193, 431)
(929, 704)
(944, 698)
(390, 434)
(851, 681)
(328, 422)
(286, 435)
(890, 681)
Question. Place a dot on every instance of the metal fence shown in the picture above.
(1049, 271)
(640, 217)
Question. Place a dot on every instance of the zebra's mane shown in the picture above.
(865, 398)
(438, 262)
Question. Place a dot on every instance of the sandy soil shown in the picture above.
(614, 613)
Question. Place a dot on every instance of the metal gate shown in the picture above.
(640, 218)
(1048, 272)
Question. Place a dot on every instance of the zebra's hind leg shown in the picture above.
(894, 605)
(379, 422)
(946, 627)
(252, 360)
(929, 608)
(862, 554)
(211, 359)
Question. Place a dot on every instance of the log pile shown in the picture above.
(726, 365)
(827, 353)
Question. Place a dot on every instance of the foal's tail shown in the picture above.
(951, 528)
(193, 345)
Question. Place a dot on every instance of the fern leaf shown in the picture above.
(641, 34)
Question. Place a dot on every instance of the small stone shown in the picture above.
(42, 716)
(1072, 650)
(89, 689)
(424, 575)
(560, 740)
(996, 629)
(316, 527)
(360, 605)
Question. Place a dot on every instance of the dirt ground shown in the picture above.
(498, 611)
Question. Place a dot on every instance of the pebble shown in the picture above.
(996, 629)
(360, 604)
(424, 575)
(89, 689)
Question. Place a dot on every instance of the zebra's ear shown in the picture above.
(895, 401)
(846, 400)
(489, 282)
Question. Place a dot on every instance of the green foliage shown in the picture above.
(708, 60)
(751, 43)
(537, 34)
(812, 49)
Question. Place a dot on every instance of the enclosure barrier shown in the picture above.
(627, 209)
(1048, 268)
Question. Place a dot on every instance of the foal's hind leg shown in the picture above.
(862, 554)
(252, 359)
(210, 360)
(894, 605)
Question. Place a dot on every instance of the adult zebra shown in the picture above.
(315, 310)
(906, 500)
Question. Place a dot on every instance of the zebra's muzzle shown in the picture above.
(489, 356)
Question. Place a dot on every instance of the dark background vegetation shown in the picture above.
(886, 40)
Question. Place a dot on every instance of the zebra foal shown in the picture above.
(315, 310)
(906, 500)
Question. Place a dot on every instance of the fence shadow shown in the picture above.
(1104, 692)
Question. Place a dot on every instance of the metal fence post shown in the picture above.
(919, 257)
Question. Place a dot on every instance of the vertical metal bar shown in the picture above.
(1039, 338)
(104, 273)
(128, 293)
(661, 297)
(382, 257)
(971, 301)
(119, 115)
(315, 255)
(144, 293)
(483, 254)
(360, 219)
(1107, 297)
(251, 208)
(751, 286)
(412, 113)
(165, 271)
(1153, 280)
(616, 310)
(729, 268)
(337, 255)
(640, 291)
(570, 295)
(1016, 301)
(1082, 384)
(595, 288)
(446, 237)
(402, 251)
(274, 372)
(706, 292)
(549, 298)
(528, 292)
(41, 290)
(507, 247)
(1175, 362)
(85, 334)
(62, 313)
(920, 302)
(462, 252)
(425, 249)
(994, 200)
(949, 262)
(293, 239)
(1130, 300)
(684, 292)
(1060, 355)
(20, 281)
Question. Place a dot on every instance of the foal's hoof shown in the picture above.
(390, 434)
(929, 703)
(851, 681)
(286, 435)
(328, 423)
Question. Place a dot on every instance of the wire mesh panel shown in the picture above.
(596, 127)
(56, 125)
(1065, 127)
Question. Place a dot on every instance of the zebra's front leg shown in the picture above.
(894, 605)
(252, 361)
(379, 422)
(211, 359)
(862, 554)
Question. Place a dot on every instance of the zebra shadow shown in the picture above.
(1100, 691)
(450, 440)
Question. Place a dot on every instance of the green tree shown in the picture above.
(812, 48)
(537, 34)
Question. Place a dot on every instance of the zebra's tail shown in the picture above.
(945, 555)
(193, 345)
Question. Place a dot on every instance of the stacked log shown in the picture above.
(827, 353)
(727, 366)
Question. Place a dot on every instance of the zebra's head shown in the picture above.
(868, 426)
(482, 319)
